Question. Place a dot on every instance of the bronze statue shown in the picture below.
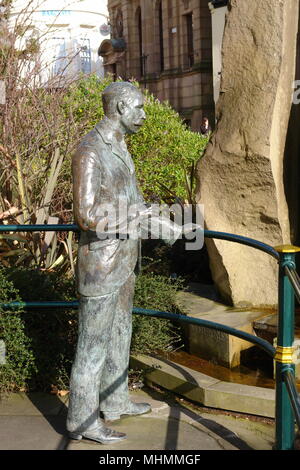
(103, 173)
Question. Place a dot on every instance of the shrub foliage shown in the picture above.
(19, 359)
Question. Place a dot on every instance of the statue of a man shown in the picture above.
(103, 173)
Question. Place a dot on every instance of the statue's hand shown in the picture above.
(188, 228)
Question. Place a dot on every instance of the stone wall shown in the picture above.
(241, 174)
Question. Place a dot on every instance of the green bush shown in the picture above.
(52, 332)
(83, 100)
(164, 150)
(154, 334)
(19, 361)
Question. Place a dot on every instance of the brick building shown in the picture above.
(167, 46)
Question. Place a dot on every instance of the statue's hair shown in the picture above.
(116, 92)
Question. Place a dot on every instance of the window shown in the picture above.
(85, 55)
(140, 41)
(57, 48)
(119, 24)
(114, 71)
(190, 39)
(161, 39)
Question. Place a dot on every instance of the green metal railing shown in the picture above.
(287, 397)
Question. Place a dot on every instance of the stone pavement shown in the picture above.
(36, 421)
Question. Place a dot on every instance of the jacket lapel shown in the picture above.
(124, 156)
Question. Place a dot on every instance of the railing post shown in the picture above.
(284, 416)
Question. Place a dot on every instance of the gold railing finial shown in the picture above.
(287, 249)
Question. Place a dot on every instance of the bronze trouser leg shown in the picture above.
(102, 354)
(114, 381)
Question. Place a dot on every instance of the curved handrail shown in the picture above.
(207, 233)
(40, 228)
(243, 241)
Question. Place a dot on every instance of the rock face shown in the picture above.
(241, 173)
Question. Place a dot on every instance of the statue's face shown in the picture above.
(132, 113)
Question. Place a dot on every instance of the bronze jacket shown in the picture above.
(103, 173)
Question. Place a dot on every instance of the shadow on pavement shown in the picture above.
(56, 416)
(216, 428)
(56, 420)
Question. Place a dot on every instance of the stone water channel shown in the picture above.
(217, 370)
(223, 356)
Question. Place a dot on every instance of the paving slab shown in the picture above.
(170, 426)
(31, 404)
(157, 434)
(243, 398)
(257, 435)
(32, 433)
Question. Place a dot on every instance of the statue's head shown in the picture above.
(124, 102)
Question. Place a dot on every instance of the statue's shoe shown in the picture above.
(100, 434)
(131, 409)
